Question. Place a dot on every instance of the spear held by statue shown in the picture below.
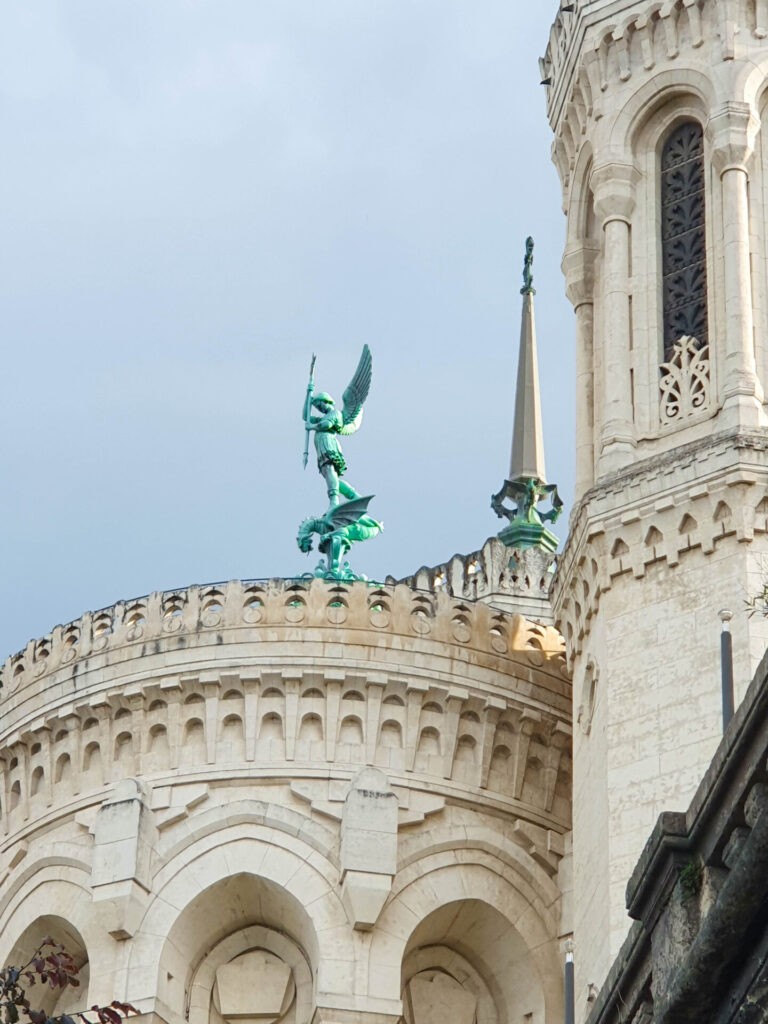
(308, 409)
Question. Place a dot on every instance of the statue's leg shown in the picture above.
(347, 490)
(331, 478)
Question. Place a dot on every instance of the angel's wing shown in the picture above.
(356, 393)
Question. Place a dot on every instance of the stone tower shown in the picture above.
(657, 110)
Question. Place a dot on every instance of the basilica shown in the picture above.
(503, 789)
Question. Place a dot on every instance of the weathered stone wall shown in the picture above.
(670, 521)
(295, 802)
(698, 948)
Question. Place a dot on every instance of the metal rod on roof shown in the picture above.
(726, 665)
(570, 1004)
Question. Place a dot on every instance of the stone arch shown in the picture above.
(353, 695)
(642, 132)
(270, 744)
(429, 741)
(92, 757)
(751, 83)
(59, 882)
(158, 753)
(312, 693)
(229, 905)
(722, 513)
(232, 877)
(272, 693)
(423, 967)
(193, 749)
(578, 221)
(63, 769)
(271, 726)
(691, 90)
(351, 730)
(311, 728)
(688, 524)
(36, 782)
(255, 813)
(500, 770)
(620, 548)
(54, 1002)
(430, 884)
(466, 767)
(123, 746)
(231, 741)
(391, 734)
(465, 956)
(205, 995)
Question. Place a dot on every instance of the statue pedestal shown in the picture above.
(522, 534)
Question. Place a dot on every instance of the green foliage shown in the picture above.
(759, 603)
(690, 879)
(50, 965)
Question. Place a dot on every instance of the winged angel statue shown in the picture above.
(348, 521)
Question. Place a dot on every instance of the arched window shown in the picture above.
(683, 242)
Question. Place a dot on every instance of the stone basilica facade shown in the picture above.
(317, 802)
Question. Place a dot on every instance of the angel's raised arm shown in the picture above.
(356, 394)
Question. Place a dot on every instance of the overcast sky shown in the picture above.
(198, 194)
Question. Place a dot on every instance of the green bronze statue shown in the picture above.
(340, 528)
(331, 423)
(528, 288)
(345, 522)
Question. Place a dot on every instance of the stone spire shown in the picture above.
(526, 484)
(527, 461)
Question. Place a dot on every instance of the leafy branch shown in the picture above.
(759, 603)
(53, 966)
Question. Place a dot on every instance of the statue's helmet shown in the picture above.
(322, 396)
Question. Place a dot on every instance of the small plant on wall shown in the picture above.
(690, 880)
(50, 965)
(758, 605)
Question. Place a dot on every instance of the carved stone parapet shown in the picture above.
(283, 680)
(672, 517)
(504, 577)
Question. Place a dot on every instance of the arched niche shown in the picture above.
(240, 904)
(256, 959)
(466, 962)
(54, 1002)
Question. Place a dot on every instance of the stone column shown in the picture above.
(578, 268)
(732, 131)
(614, 189)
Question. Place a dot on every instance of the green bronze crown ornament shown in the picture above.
(346, 522)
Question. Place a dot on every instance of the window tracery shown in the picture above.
(683, 223)
(685, 368)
